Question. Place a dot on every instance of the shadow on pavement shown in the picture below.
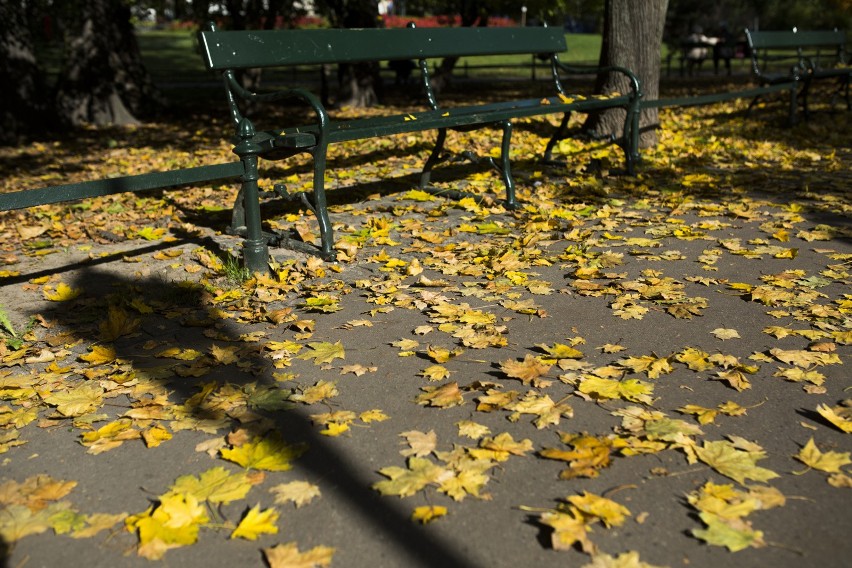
(176, 321)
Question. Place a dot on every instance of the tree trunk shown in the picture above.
(473, 13)
(103, 80)
(633, 33)
(360, 84)
(23, 106)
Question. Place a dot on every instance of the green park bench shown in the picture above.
(231, 51)
(807, 56)
(228, 52)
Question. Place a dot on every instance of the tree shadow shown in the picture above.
(178, 319)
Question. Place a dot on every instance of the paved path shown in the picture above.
(629, 272)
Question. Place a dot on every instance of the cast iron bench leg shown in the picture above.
(505, 166)
(434, 158)
(255, 249)
(320, 205)
(547, 158)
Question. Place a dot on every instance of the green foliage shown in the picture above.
(6, 323)
(683, 15)
(235, 273)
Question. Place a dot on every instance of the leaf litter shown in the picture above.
(472, 273)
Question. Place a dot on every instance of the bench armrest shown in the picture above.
(635, 85)
(233, 87)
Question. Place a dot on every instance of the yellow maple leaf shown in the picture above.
(435, 372)
(418, 195)
(256, 523)
(180, 353)
(173, 522)
(270, 453)
(374, 415)
(405, 482)
(288, 556)
(99, 355)
(831, 414)
(830, 462)
(334, 429)
(35, 492)
(324, 352)
(321, 391)
(588, 455)
(569, 527)
(225, 355)
(735, 535)
(561, 351)
(725, 333)
(527, 371)
(735, 378)
(18, 521)
(503, 445)
(76, 401)
(182, 510)
(298, 492)
(609, 512)
(427, 514)
(109, 436)
(704, 415)
(738, 464)
(151, 233)
(119, 322)
(472, 429)
(62, 293)
(216, 485)
(629, 559)
(652, 365)
(155, 436)
(606, 389)
(442, 355)
(420, 443)
(96, 523)
(443, 396)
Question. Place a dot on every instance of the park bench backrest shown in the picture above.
(796, 45)
(276, 48)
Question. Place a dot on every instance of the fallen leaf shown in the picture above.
(299, 493)
(427, 514)
(739, 465)
(255, 523)
(269, 453)
(724, 333)
(288, 556)
(830, 462)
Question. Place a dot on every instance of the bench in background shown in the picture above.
(806, 56)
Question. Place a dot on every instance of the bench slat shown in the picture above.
(270, 48)
(445, 118)
(99, 188)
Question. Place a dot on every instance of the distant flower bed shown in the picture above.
(387, 21)
(440, 21)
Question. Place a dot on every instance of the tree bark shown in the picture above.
(633, 33)
(473, 13)
(103, 80)
(23, 107)
(358, 84)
